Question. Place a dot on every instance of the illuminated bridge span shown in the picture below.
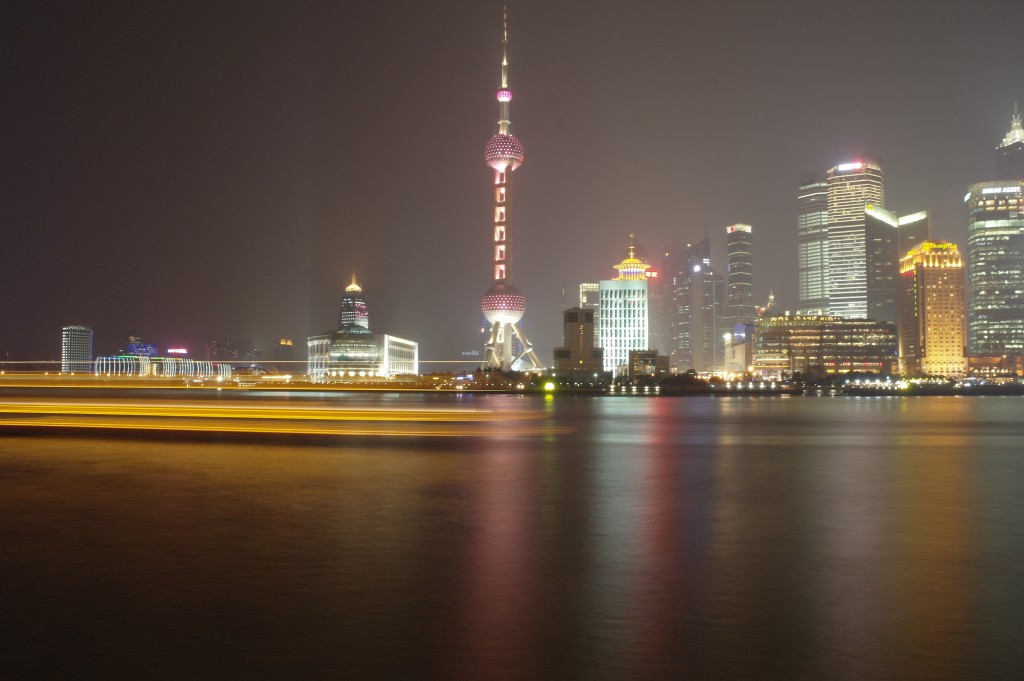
(269, 416)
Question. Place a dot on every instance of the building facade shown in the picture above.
(76, 350)
(822, 345)
(739, 275)
(578, 353)
(624, 313)
(353, 307)
(995, 268)
(812, 244)
(696, 305)
(851, 186)
(931, 335)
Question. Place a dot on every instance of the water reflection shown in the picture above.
(710, 538)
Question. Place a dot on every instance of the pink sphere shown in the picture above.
(503, 304)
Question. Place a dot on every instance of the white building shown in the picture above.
(76, 350)
(624, 313)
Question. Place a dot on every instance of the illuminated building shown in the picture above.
(739, 349)
(624, 308)
(739, 276)
(578, 353)
(142, 366)
(659, 297)
(995, 267)
(354, 353)
(590, 299)
(646, 363)
(822, 344)
(503, 305)
(1010, 152)
(886, 239)
(76, 350)
(812, 244)
(851, 186)
(353, 307)
(398, 356)
(932, 310)
(695, 308)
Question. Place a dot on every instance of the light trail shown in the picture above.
(272, 417)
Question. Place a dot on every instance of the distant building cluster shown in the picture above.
(875, 291)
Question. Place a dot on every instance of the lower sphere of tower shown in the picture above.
(503, 304)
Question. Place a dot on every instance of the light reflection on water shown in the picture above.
(711, 538)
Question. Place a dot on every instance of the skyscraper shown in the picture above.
(76, 350)
(740, 275)
(503, 305)
(578, 354)
(995, 267)
(353, 307)
(696, 307)
(851, 186)
(1010, 153)
(931, 330)
(624, 312)
(590, 299)
(812, 244)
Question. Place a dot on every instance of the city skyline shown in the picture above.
(226, 185)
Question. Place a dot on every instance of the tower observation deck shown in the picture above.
(503, 305)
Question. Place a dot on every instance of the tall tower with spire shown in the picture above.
(1010, 153)
(503, 305)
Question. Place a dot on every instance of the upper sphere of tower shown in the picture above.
(504, 95)
(504, 150)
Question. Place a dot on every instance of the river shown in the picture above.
(643, 538)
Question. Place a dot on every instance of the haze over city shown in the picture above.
(224, 170)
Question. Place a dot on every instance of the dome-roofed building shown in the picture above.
(353, 352)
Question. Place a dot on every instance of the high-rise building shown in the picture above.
(1010, 153)
(659, 294)
(76, 350)
(851, 186)
(881, 262)
(503, 305)
(914, 229)
(740, 275)
(931, 333)
(353, 307)
(578, 353)
(624, 313)
(695, 308)
(590, 299)
(995, 267)
(812, 244)
(886, 238)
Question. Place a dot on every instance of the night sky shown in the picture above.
(192, 170)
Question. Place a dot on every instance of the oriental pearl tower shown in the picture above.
(503, 305)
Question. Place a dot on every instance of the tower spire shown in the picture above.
(504, 94)
(504, 46)
(1016, 133)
